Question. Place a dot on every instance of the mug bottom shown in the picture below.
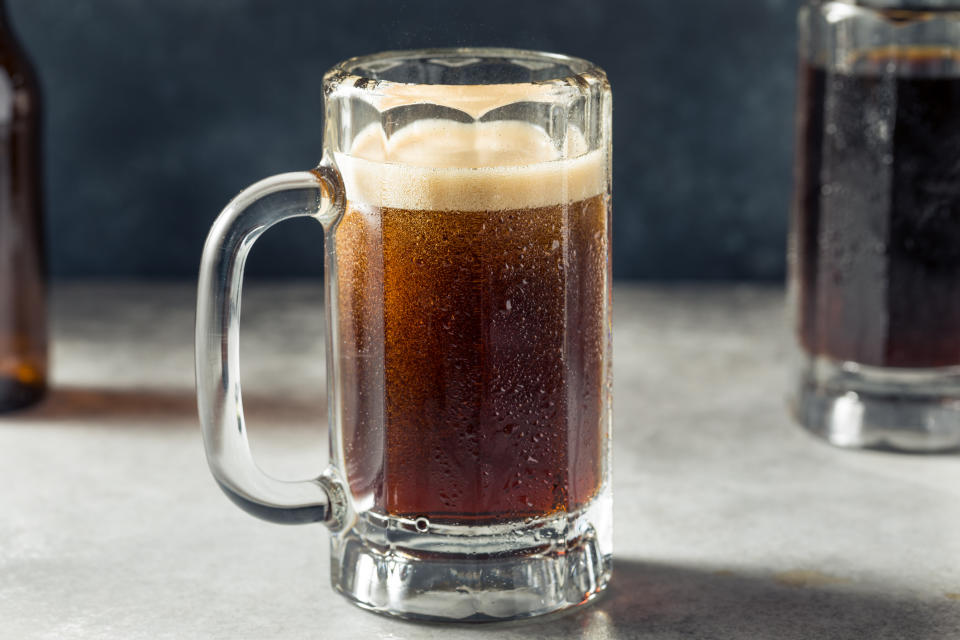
(855, 406)
(418, 570)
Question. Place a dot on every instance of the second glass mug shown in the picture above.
(465, 201)
(875, 239)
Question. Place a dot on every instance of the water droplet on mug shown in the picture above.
(422, 524)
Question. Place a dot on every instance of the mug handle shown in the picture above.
(318, 194)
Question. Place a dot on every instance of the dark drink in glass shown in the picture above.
(875, 246)
(878, 211)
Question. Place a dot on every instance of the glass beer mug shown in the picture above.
(465, 200)
(875, 264)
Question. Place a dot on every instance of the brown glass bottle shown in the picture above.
(23, 313)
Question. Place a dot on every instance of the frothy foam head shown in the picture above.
(441, 165)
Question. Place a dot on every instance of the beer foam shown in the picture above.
(441, 165)
(473, 99)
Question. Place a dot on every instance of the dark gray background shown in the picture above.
(159, 111)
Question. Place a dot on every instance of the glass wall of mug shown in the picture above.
(465, 196)
(875, 238)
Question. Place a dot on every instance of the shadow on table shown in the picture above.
(113, 405)
(649, 600)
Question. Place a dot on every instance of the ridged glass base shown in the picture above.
(414, 569)
(850, 405)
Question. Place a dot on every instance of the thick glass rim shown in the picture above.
(898, 9)
(347, 71)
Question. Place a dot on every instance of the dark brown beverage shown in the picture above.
(477, 339)
(23, 336)
(472, 348)
(877, 215)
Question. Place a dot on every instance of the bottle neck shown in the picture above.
(8, 36)
(6, 30)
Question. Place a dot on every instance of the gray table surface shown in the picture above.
(730, 521)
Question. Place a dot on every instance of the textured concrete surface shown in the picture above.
(730, 522)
